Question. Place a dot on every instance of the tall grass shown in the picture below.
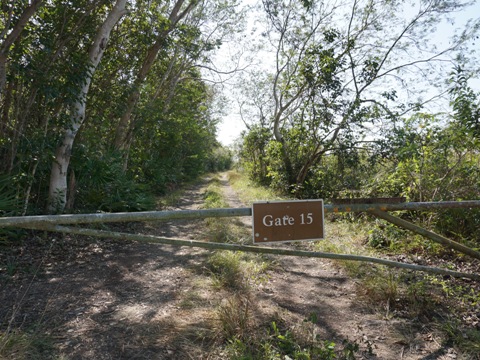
(27, 345)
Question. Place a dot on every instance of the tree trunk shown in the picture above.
(12, 37)
(126, 123)
(58, 177)
(3, 72)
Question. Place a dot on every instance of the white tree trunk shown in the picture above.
(58, 177)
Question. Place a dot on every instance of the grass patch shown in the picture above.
(21, 345)
(248, 191)
(191, 300)
(389, 291)
(300, 342)
(224, 230)
(466, 340)
(399, 293)
(213, 196)
(235, 317)
(227, 271)
(346, 237)
(237, 270)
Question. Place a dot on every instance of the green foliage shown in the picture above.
(26, 345)
(9, 206)
(103, 185)
(386, 236)
(430, 163)
(299, 344)
(171, 136)
(341, 170)
(466, 339)
(253, 156)
(465, 102)
(220, 159)
(9, 202)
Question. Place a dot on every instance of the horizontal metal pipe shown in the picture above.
(403, 206)
(23, 221)
(123, 217)
(254, 249)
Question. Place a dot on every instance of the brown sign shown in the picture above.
(277, 221)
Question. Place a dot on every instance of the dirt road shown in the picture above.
(101, 299)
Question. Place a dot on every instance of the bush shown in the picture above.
(103, 185)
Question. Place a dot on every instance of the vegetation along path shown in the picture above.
(66, 297)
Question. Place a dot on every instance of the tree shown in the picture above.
(431, 160)
(41, 78)
(465, 102)
(58, 177)
(177, 13)
(341, 66)
(13, 26)
(47, 131)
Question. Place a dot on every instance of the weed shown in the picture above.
(213, 197)
(26, 345)
(239, 350)
(227, 270)
(467, 340)
(235, 317)
(11, 266)
(237, 270)
(297, 343)
(351, 348)
(381, 288)
(418, 297)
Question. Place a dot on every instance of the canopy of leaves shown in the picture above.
(171, 136)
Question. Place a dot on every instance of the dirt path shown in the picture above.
(112, 300)
(302, 286)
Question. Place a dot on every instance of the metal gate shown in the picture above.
(58, 223)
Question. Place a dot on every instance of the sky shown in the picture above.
(232, 125)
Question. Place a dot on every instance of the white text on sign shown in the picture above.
(287, 220)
